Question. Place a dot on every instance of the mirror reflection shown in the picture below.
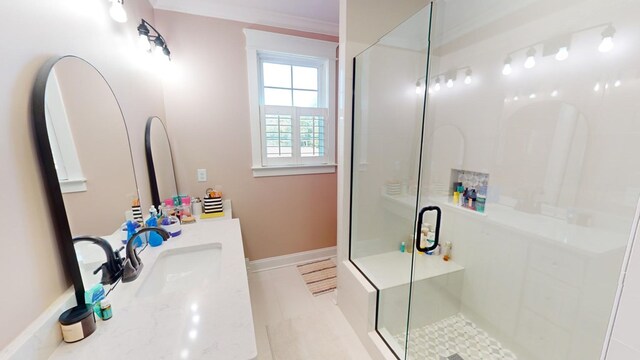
(543, 146)
(162, 177)
(90, 147)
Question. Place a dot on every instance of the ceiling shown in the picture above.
(318, 16)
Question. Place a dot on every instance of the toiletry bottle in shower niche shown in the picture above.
(446, 251)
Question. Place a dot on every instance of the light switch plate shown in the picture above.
(202, 175)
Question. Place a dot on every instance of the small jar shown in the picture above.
(105, 308)
(480, 202)
(196, 205)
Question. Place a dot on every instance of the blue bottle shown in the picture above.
(131, 231)
(154, 238)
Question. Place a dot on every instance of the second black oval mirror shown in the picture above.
(162, 179)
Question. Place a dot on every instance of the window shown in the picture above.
(65, 155)
(292, 101)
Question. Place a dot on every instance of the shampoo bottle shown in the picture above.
(461, 195)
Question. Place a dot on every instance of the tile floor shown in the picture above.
(290, 323)
(454, 335)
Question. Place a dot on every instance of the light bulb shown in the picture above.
(418, 88)
(562, 54)
(436, 87)
(554, 93)
(450, 83)
(159, 53)
(596, 88)
(515, 98)
(143, 42)
(617, 83)
(430, 91)
(506, 70)
(532, 96)
(117, 11)
(467, 79)
(606, 44)
(530, 62)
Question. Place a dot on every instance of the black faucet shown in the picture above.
(112, 269)
(133, 264)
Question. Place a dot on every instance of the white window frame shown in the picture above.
(272, 47)
(63, 147)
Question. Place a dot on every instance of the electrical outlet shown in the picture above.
(202, 175)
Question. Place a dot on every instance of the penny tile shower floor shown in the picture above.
(454, 335)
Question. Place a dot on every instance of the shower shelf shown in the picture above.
(443, 201)
(392, 269)
(404, 205)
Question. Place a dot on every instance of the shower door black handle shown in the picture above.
(419, 228)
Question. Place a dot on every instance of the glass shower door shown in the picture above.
(531, 117)
(389, 88)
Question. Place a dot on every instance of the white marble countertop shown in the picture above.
(213, 321)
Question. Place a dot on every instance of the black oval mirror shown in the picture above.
(162, 178)
(85, 157)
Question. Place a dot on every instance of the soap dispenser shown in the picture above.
(154, 238)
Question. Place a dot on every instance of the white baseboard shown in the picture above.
(291, 259)
(40, 339)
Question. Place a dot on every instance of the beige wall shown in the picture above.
(206, 100)
(33, 32)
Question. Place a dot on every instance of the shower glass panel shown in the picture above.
(533, 113)
(389, 100)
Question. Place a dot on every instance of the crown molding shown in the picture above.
(247, 15)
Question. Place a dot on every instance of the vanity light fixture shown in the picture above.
(506, 70)
(152, 42)
(117, 11)
(436, 87)
(562, 54)
(607, 39)
(467, 77)
(531, 60)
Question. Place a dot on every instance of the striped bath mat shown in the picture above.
(320, 276)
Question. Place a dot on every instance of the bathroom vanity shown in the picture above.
(191, 301)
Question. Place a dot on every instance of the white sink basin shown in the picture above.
(181, 270)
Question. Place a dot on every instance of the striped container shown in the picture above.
(212, 205)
